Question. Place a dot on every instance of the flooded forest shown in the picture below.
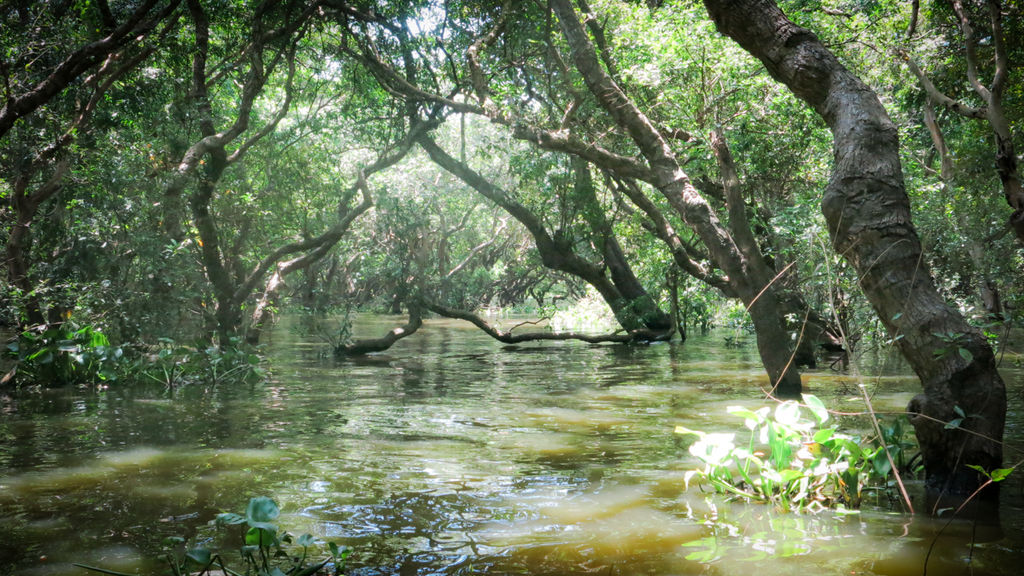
(440, 287)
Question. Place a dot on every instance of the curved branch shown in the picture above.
(971, 51)
(936, 96)
(79, 61)
(510, 338)
(366, 346)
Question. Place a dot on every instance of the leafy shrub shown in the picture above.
(175, 365)
(63, 354)
(789, 460)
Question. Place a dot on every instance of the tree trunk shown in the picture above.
(673, 295)
(635, 299)
(18, 250)
(868, 215)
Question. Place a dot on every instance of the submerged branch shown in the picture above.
(510, 338)
(366, 346)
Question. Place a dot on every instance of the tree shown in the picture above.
(732, 248)
(748, 272)
(614, 280)
(50, 101)
(991, 95)
(868, 214)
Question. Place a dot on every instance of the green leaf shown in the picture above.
(200, 556)
(229, 518)
(263, 535)
(954, 423)
(742, 412)
(823, 435)
(1000, 474)
(966, 354)
(685, 430)
(817, 407)
(959, 411)
(306, 540)
(787, 413)
(261, 509)
(880, 463)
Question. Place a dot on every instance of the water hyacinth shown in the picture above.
(789, 460)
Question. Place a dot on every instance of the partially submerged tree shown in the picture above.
(612, 276)
(868, 215)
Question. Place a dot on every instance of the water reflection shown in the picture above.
(450, 454)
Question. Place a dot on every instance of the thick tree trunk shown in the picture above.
(868, 215)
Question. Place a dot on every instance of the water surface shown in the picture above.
(452, 454)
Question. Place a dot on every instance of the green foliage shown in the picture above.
(62, 355)
(590, 313)
(997, 475)
(953, 344)
(790, 459)
(175, 365)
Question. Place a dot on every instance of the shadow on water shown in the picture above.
(450, 454)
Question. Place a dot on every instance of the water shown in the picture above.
(451, 454)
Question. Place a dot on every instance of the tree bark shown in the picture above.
(868, 215)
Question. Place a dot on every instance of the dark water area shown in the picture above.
(452, 454)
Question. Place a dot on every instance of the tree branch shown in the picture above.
(510, 338)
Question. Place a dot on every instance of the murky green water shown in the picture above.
(450, 454)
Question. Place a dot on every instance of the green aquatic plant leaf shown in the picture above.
(230, 519)
(1000, 474)
(263, 535)
(997, 475)
(201, 556)
(817, 407)
(788, 414)
(261, 509)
